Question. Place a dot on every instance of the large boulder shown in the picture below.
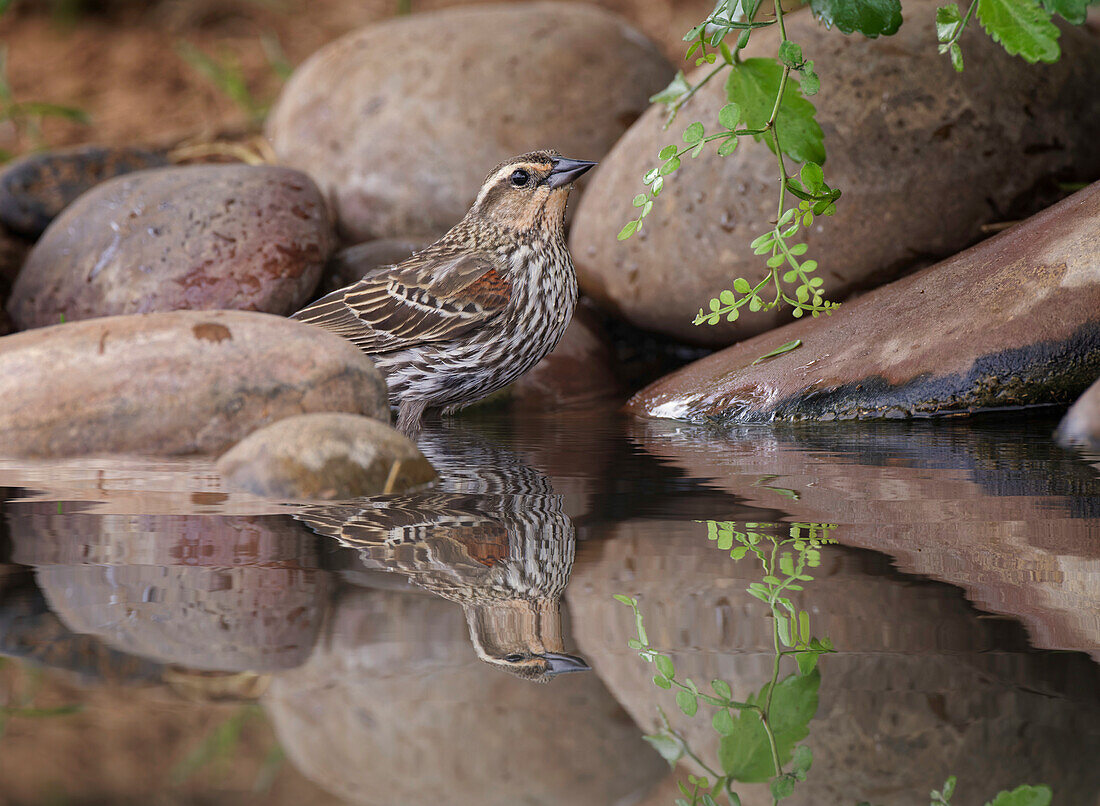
(919, 688)
(195, 237)
(173, 383)
(924, 156)
(395, 707)
(36, 188)
(220, 593)
(1013, 321)
(1081, 425)
(325, 456)
(399, 122)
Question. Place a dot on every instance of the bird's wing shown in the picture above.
(433, 296)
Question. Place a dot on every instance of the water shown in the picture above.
(170, 641)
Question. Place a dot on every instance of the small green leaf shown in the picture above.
(664, 665)
(790, 53)
(956, 56)
(948, 21)
(694, 133)
(668, 152)
(626, 600)
(660, 681)
(807, 662)
(1023, 28)
(721, 688)
(741, 285)
(782, 787)
(813, 178)
(687, 701)
(729, 116)
(802, 760)
(627, 230)
(727, 146)
(670, 166)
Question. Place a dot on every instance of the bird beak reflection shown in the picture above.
(562, 664)
(565, 171)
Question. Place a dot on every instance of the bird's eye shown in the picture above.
(515, 657)
(520, 177)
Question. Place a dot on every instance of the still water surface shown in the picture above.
(170, 641)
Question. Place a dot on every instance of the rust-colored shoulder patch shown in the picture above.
(493, 289)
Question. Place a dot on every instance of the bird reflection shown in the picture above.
(490, 536)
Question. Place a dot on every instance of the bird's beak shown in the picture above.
(565, 171)
(562, 664)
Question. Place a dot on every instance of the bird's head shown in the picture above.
(527, 194)
(522, 637)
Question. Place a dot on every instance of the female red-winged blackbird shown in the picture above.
(480, 306)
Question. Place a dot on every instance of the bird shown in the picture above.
(492, 537)
(472, 312)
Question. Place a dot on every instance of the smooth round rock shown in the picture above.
(194, 238)
(351, 265)
(36, 188)
(394, 707)
(173, 383)
(399, 122)
(924, 157)
(325, 456)
(1081, 425)
(1013, 321)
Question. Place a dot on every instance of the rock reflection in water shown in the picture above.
(208, 592)
(395, 707)
(1012, 521)
(919, 689)
(491, 536)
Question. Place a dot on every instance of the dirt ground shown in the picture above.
(120, 61)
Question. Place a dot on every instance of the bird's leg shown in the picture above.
(409, 415)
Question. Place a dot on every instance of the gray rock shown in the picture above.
(395, 707)
(196, 237)
(1081, 425)
(400, 122)
(923, 155)
(325, 456)
(173, 383)
(1013, 321)
(36, 188)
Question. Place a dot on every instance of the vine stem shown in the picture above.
(963, 24)
(718, 68)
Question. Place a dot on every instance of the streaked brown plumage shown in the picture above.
(480, 306)
(492, 538)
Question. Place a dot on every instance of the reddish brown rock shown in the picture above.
(36, 188)
(1013, 321)
(405, 150)
(1081, 425)
(325, 457)
(173, 383)
(924, 156)
(196, 237)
